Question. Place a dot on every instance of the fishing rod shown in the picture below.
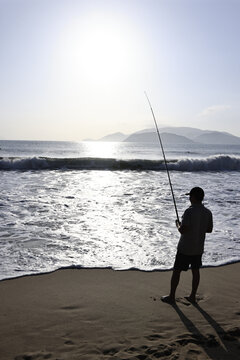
(164, 157)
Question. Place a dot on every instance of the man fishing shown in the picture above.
(196, 222)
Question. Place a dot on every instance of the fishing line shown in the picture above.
(164, 157)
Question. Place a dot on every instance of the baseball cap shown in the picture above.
(197, 192)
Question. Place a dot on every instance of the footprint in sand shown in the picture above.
(34, 356)
(70, 307)
(154, 337)
(69, 342)
(193, 354)
(185, 300)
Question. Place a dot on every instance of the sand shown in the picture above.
(106, 314)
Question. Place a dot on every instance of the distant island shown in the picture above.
(175, 135)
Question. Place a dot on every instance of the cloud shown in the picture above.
(212, 110)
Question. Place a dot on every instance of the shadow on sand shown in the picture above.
(221, 345)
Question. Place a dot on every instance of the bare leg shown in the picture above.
(174, 283)
(195, 283)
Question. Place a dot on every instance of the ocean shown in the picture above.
(109, 205)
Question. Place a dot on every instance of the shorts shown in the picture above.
(182, 261)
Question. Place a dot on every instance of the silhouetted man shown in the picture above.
(196, 222)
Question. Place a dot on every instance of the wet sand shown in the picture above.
(106, 314)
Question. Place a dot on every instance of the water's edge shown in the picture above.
(78, 267)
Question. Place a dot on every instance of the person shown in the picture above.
(196, 222)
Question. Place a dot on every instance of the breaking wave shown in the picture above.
(212, 163)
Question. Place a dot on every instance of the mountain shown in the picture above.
(187, 135)
(152, 137)
(189, 132)
(218, 138)
(176, 135)
(204, 136)
(118, 136)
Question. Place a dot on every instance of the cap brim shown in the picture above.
(187, 194)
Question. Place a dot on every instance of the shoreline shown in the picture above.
(105, 314)
(79, 267)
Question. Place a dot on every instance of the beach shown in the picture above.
(111, 113)
(107, 314)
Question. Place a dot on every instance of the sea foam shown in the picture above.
(211, 163)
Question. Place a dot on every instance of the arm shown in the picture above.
(181, 228)
(210, 225)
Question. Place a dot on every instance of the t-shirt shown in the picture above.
(198, 220)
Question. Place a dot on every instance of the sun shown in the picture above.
(104, 49)
(99, 50)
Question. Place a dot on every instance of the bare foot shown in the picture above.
(168, 299)
(191, 299)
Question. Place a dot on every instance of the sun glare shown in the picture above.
(98, 50)
(104, 52)
(101, 149)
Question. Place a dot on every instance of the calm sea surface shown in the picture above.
(93, 204)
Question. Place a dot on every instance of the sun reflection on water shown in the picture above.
(102, 149)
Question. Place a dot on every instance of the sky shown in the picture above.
(77, 69)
